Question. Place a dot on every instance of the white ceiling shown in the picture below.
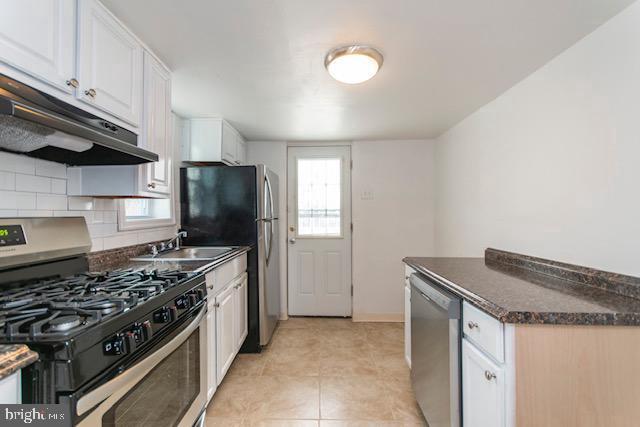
(259, 63)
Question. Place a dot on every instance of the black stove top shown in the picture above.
(56, 308)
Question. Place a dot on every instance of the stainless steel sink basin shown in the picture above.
(199, 253)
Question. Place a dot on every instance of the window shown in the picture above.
(319, 197)
(145, 213)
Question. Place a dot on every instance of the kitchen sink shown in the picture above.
(199, 253)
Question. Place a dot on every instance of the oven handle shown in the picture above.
(129, 378)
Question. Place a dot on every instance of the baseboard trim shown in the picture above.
(378, 317)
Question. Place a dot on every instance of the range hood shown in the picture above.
(39, 125)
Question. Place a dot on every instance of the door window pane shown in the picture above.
(319, 197)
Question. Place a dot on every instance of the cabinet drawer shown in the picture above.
(485, 331)
(224, 274)
(483, 389)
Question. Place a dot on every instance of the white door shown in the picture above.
(483, 394)
(225, 336)
(241, 311)
(38, 37)
(319, 231)
(109, 63)
(156, 176)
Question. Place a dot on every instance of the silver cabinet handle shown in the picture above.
(472, 325)
(489, 375)
(73, 83)
(292, 240)
(91, 92)
(151, 185)
(216, 305)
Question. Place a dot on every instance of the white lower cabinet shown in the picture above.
(225, 332)
(483, 389)
(240, 298)
(11, 390)
(227, 318)
(212, 382)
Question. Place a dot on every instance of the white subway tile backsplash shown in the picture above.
(50, 169)
(33, 213)
(7, 181)
(110, 217)
(32, 187)
(105, 204)
(51, 201)
(25, 200)
(58, 186)
(98, 217)
(97, 244)
(88, 215)
(32, 183)
(80, 203)
(15, 163)
(120, 240)
(8, 200)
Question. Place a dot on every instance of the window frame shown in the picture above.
(296, 216)
(125, 224)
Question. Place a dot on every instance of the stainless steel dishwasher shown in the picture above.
(435, 352)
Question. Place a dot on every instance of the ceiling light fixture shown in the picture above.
(353, 64)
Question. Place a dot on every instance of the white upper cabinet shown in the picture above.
(38, 37)
(215, 140)
(156, 129)
(109, 63)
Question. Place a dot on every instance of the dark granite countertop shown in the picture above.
(158, 264)
(519, 289)
(14, 357)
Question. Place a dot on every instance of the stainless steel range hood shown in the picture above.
(39, 125)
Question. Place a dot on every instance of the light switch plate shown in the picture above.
(366, 195)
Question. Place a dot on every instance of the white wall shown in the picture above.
(31, 187)
(397, 221)
(552, 167)
(273, 154)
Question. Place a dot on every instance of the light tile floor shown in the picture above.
(320, 372)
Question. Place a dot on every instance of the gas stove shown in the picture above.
(98, 334)
(56, 309)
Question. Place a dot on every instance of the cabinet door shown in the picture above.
(38, 37)
(407, 325)
(483, 389)
(241, 311)
(225, 337)
(212, 384)
(109, 63)
(156, 130)
(229, 144)
(242, 151)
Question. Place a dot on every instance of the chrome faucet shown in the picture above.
(165, 246)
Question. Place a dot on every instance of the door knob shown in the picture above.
(292, 240)
(91, 92)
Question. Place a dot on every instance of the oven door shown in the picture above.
(166, 388)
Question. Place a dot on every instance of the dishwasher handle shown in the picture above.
(434, 294)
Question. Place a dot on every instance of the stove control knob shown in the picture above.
(193, 299)
(173, 312)
(147, 330)
(142, 332)
(129, 342)
(162, 315)
(200, 294)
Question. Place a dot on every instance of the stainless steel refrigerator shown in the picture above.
(238, 206)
